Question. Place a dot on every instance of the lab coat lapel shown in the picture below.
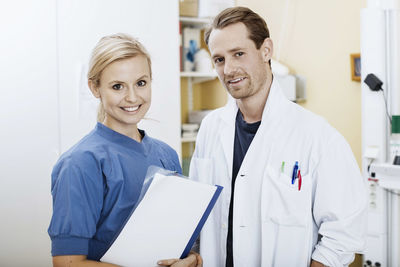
(273, 108)
(267, 130)
(227, 134)
(271, 115)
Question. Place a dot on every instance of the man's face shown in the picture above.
(241, 67)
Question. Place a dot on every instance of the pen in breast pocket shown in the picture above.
(299, 182)
(295, 168)
(283, 167)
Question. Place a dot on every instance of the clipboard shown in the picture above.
(166, 222)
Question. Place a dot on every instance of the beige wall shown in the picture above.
(315, 39)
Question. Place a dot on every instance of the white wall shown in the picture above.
(28, 136)
(155, 24)
(43, 112)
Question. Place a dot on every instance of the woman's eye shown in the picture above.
(141, 83)
(117, 86)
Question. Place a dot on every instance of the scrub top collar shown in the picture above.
(123, 140)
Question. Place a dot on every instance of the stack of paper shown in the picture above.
(166, 222)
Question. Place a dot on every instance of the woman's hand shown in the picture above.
(193, 260)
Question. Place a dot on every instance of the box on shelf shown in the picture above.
(189, 134)
(190, 127)
(190, 130)
(188, 8)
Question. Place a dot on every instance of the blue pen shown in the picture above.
(294, 174)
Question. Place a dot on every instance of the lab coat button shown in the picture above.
(223, 226)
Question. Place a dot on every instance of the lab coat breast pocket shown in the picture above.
(287, 203)
(286, 215)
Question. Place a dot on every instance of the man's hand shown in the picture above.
(193, 260)
(316, 264)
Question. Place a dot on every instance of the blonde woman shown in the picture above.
(97, 182)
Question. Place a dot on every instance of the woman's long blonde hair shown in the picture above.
(108, 50)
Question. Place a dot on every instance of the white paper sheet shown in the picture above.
(163, 222)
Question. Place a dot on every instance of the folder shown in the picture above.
(166, 222)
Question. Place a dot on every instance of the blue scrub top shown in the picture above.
(95, 185)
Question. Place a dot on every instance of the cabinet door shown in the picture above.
(28, 136)
(80, 26)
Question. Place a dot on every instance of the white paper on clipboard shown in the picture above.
(166, 220)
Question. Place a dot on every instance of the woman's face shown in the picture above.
(125, 93)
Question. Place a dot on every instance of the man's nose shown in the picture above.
(229, 67)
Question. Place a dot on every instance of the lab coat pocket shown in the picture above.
(286, 213)
(284, 245)
(286, 203)
(201, 169)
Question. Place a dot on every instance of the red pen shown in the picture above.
(299, 176)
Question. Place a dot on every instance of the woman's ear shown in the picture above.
(267, 49)
(94, 89)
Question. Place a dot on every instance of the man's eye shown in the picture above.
(117, 86)
(141, 83)
(218, 60)
(239, 54)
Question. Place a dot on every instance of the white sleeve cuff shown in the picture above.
(329, 258)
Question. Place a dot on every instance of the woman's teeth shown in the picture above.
(130, 108)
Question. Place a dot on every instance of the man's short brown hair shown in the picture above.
(256, 25)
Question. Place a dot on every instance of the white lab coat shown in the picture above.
(274, 223)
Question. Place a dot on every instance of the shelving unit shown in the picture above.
(193, 84)
(193, 77)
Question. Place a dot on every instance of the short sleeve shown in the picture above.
(175, 160)
(77, 191)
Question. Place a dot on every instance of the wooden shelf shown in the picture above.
(198, 77)
(198, 74)
(188, 139)
(195, 22)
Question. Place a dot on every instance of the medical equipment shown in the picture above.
(381, 58)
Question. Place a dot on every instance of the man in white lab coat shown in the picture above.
(293, 194)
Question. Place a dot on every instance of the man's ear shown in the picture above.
(267, 49)
(94, 89)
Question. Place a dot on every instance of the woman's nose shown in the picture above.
(131, 95)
